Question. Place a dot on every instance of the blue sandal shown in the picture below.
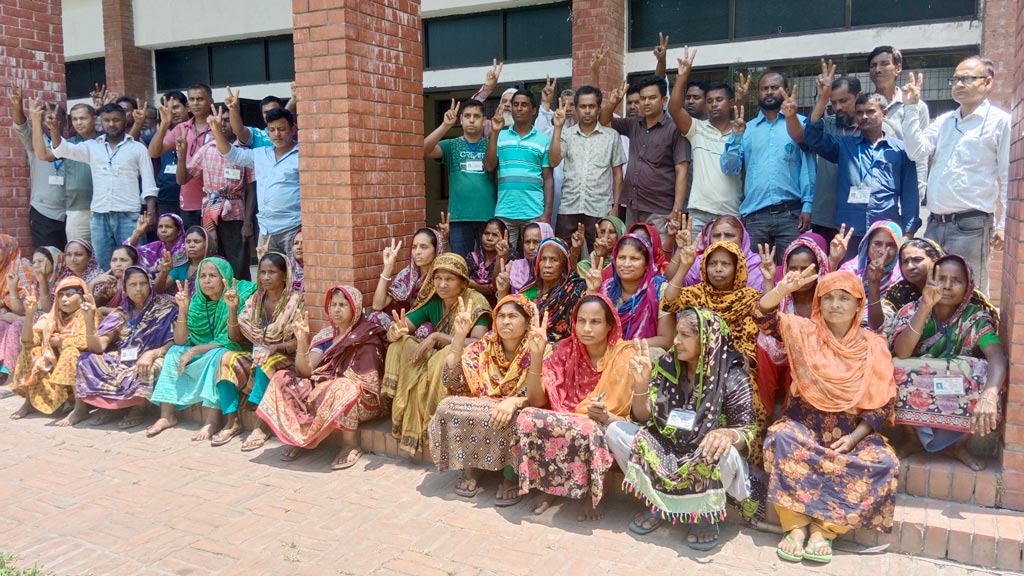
(639, 528)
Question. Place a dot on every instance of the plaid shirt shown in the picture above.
(223, 194)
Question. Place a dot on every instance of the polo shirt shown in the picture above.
(521, 163)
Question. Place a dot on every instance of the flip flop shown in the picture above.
(788, 556)
(246, 447)
(287, 456)
(467, 493)
(346, 463)
(638, 527)
(810, 554)
(505, 502)
(700, 529)
(215, 441)
(131, 421)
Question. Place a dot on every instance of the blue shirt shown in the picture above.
(883, 167)
(258, 137)
(277, 186)
(778, 170)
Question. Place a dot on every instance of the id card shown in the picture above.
(859, 194)
(682, 419)
(56, 180)
(232, 174)
(130, 354)
(949, 386)
(256, 350)
(171, 169)
(473, 166)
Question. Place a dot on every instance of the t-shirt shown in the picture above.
(471, 189)
(711, 190)
(521, 163)
(433, 312)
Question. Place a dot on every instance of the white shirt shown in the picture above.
(893, 126)
(970, 159)
(115, 172)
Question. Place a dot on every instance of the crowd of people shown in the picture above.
(730, 310)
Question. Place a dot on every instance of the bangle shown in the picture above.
(534, 373)
(181, 321)
(912, 329)
(230, 324)
(870, 304)
(673, 285)
(386, 278)
(642, 393)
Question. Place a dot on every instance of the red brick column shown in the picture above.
(597, 23)
(129, 69)
(32, 52)
(1013, 278)
(359, 76)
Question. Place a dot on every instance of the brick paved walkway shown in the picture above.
(104, 502)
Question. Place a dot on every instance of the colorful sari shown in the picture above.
(952, 349)
(92, 268)
(11, 261)
(105, 381)
(152, 253)
(43, 375)
(560, 450)
(859, 266)
(904, 292)
(583, 268)
(754, 278)
(649, 230)
(640, 312)
(560, 301)
(667, 469)
(407, 293)
(180, 272)
(523, 273)
(415, 389)
(342, 392)
(461, 435)
(203, 376)
(298, 269)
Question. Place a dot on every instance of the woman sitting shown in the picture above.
(484, 261)
(126, 351)
(951, 364)
(47, 262)
(876, 263)
(16, 281)
(296, 263)
(170, 233)
(916, 258)
(523, 272)
(581, 388)
(265, 323)
(335, 384)
(201, 364)
(829, 469)
(609, 230)
(197, 248)
(472, 428)
(650, 232)
(80, 261)
(726, 228)
(412, 369)
(698, 414)
(45, 371)
(556, 289)
(404, 291)
(106, 288)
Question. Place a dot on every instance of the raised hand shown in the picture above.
(502, 247)
(742, 87)
(498, 120)
(559, 118)
(300, 327)
(912, 89)
(12, 280)
(451, 116)
(494, 73)
(738, 124)
(214, 120)
(875, 272)
(142, 224)
(640, 366)
(598, 56)
(444, 226)
(36, 109)
(538, 334)
(579, 236)
(594, 276)
(231, 294)
(139, 114)
(165, 114)
(932, 292)
(547, 94)
(602, 246)
(231, 100)
(620, 92)
(662, 48)
(31, 305)
(767, 254)
(399, 327)
(390, 255)
(795, 280)
(824, 80)
(16, 96)
(686, 62)
(89, 308)
(684, 242)
(789, 106)
(181, 147)
(262, 248)
(840, 244)
(463, 322)
(182, 299)
(98, 95)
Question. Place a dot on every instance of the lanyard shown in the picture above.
(191, 147)
(876, 154)
(473, 147)
(110, 157)
(56, 163)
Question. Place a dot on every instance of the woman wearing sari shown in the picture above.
(830, 471)
(412, 368)
(296, 264)
(697, 413)
(726, 228)
(484, 261)
(916, 258)
(126, 351)
(523, 272)
(41, 284)
(578, 390)
(609, 230)
(404, 291)
(335, 384)
(80, 261)
(951, 364)
(556, 289)
(170, 233)
(650, 232)
(265, 322)
(197, 248)
(472, 428)
(16, 281)
(45, 371)
(106, 288)
(876, 264)
(201, 363)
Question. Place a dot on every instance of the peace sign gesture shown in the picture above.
(767, 266)
(182, 299)
(578, 237)
(789, 107)
(662, 48)
(494, 73)
(181, 147)
(13, 281)
(594, 276)
(932, 292)
(231, 294)
(139, 114)
(142, 224)
(502, 247)
(794, 280)
(875, 272)
(463, 322)
(451, 116)
(502, 280)
(165, 114)
(738, 124)
(598, 56)
(538, 335)
(547, 94)
(214, 120)
(912, 89)
(498, 120)
(444, 226)
(839, 245)
(684, 242)
(824, 80)
(89, 308)
(742, 87)
(640, 366)
(399, 327)
(558, 120)
(300, 327)
(686, 62)
(602, 246)
(231, 100)
(31, 305)
(620, 92)
(263, 247)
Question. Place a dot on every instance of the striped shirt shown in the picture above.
(521, 163)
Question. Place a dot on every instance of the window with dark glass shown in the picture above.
(760, 18)
(463, 41)
(871, 12)
(539, 32)
(82, 76)
(684, 21)
(236, 63)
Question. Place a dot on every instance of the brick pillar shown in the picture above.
(1013, 277)
(129, 69)
(32, 53)
(359, 76)
(597, 23)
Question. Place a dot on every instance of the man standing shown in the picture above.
(119, 165)
(659, 157)
(47, 206)
(470, 187)
(779, 184)
(696, 99)
(593, 166)
(252, 136)
(195, 132)
(520, 156)
(169, 195)
(970, 147)
(277, 177)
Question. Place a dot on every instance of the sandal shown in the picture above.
(349, 461)
(289, 454)
(789, 556)
(698, 530)
(503, 490)
(467, 493)
(810, 552)
(252, 444)
(648, 515)
(219, 439)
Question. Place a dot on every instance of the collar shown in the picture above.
(598, 129)
(884, 140)
(981, 110)
(762, 118)
(512, 129)
(272, 152)
(643, 121)
(127, 138)
(897, 97)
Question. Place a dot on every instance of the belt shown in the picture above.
(787, 206)
(947, 218)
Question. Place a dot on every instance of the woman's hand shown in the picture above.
(390, 256)
(839, 245)
(595, 277)
(597, 411)
(142, 225)
(538, 334)
(165, 263)
(502, 280)
(463, 322)
(144, 364)
(300, 327)
(767, 266)
(231, 294)
(579, 236)
(684, 243)
(875, 272)
(602, 246)
(717, 443)
(444, 226)
(399, 327)
(184, 360)
(422, 352)
(640, 366)
(182, 299)
(501, 415)
(502, 247)
(31, 306)
(13, 281)
(932, 292)
(845, 444)
(89, 309)
(794, 281)
(985, 418)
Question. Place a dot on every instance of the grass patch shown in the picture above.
(8, 567)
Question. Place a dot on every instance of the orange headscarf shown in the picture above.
(854, 373)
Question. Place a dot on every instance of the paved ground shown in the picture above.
(99, 501)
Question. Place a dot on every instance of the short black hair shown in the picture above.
(852, 84)
(897, 56)
(653, 81)
(271, 99)
(112, 108)
(203, 87)
(84, 106)
(128, 99)
(175, 95)
(702, 86)
(528, 94)
(770, 72)
(278, 113)
(471, 103)
(585, 90)
(633, 89)
(716, 86)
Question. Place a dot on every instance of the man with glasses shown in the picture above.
(970, 152)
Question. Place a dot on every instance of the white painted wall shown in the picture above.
(160, 24)
(438, 8)
(512, 72)
(83, 29)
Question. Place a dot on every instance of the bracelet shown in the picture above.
(386, 278)
(534, 373)
(673, 285)
(231, 325)
(870, 304)
(912, 329)
(642, 393)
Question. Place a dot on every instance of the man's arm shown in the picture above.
(676, 109)
(491, 155)
(185, 168)
(544, 121)
(808, 174)
(1003, 171)
(157, 146)
(820, 142)
(611, 104)
(293, 101)
(149, 188)
(241, 131)
(910, 202)
(682, 182)
(39, 147)
(555, 152)
(549, 194)
(430, 147)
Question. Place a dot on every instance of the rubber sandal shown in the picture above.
(253, 447)
(505, 502)
(638, 528)
(788, 556)
(467, 493)
(815, 557)
(700, 529)
(215, 441)
(346, 464)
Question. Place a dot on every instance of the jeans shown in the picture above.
(463, 236)
(660, 221)
(699, 219)
(46, 231)
(774, 225)
(109, 230)
(969, 236)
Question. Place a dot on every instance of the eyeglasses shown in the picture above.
(965, 80)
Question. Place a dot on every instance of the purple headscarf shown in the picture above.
(521, 274)
(151, 253)
(754, 278)
(639, 314)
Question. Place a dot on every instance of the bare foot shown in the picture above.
(588, 512)
(74, 417)
(959, 451)
(203, 433)
(161, 425)
(542, 504)
(25, 410)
